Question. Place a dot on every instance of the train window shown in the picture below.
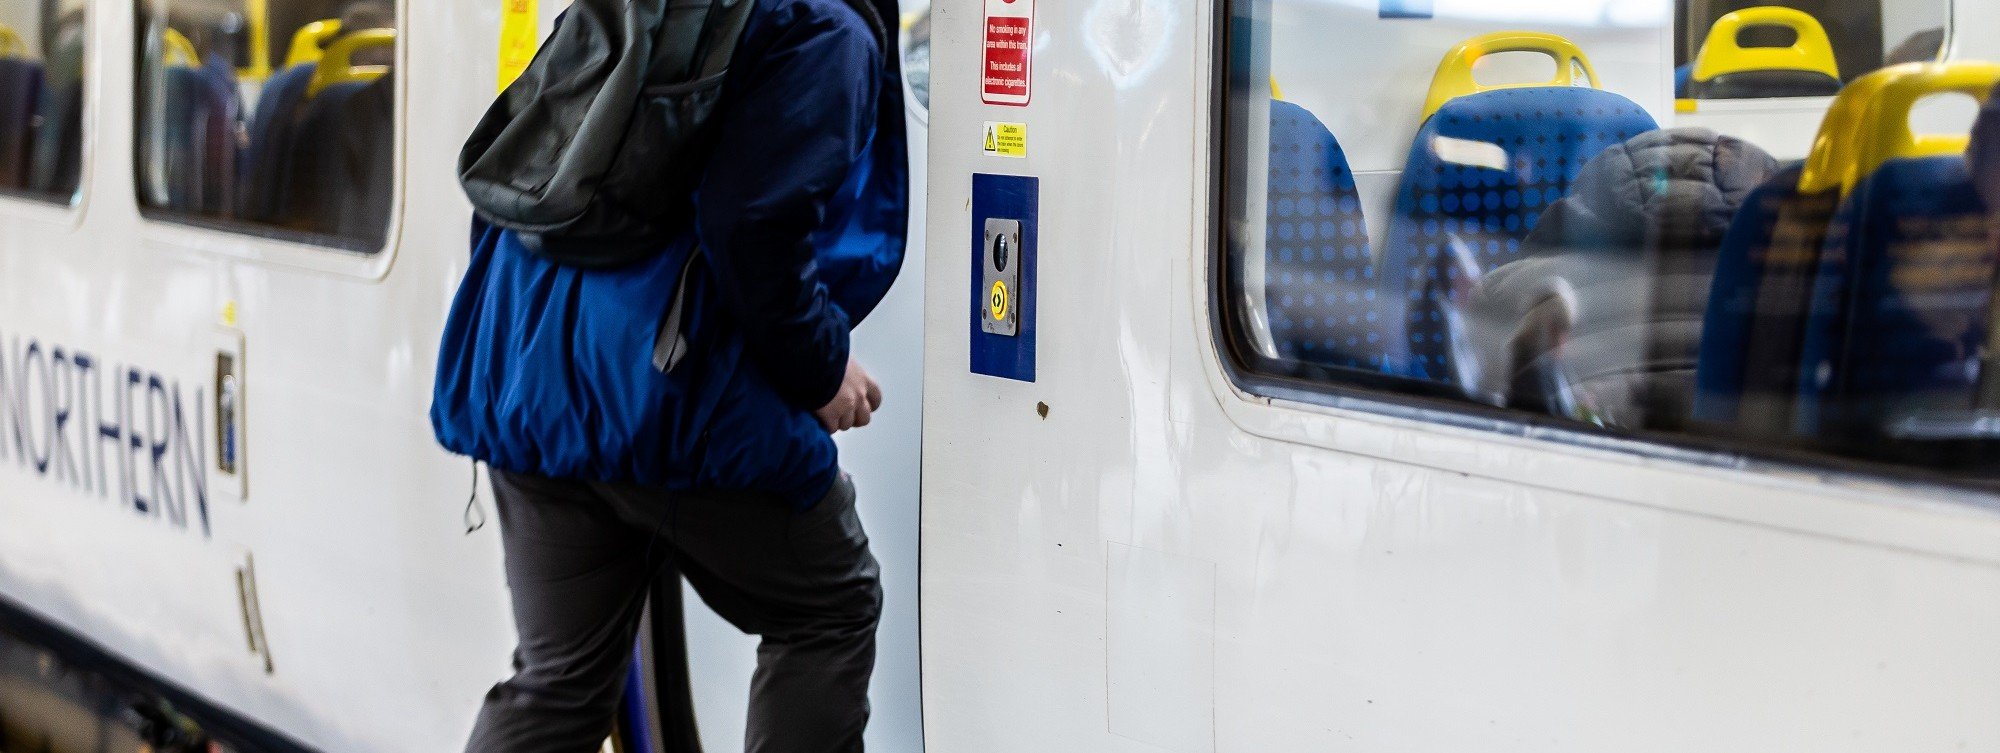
(41, 98)
(917, 59)
(1417, 216)
(273, 117)
(1754, 49)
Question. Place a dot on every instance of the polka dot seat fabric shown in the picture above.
(1482, 170)
(1320, 286)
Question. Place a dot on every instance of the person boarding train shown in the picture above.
(654, 376)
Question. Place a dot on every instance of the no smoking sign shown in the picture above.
(1006, 73)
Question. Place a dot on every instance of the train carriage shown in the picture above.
(1268, 375)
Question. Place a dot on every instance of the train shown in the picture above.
(1421, 375)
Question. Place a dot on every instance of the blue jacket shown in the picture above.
(800, 222)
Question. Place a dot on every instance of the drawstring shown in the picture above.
(475, 516)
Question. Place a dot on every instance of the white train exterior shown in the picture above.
(1137, 548)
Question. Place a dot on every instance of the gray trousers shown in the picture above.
(581, 557)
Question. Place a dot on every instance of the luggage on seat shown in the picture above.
(1485, 164)
(1601, 322)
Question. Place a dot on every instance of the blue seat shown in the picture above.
(1902, 296)
(1483, 168)
(1901, 302)
(341, 176)
(273, 131)
(56, 154)
(197, 139)
(1746, 373)
(20, 92)
(1320, 284)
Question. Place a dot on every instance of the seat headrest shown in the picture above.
(1454, 77)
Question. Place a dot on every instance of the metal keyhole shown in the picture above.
(1001, 251)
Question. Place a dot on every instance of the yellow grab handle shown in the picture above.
(1454, 77)
(11, 45)
(177, 45)
(309, 43)
(1276, 93)
(258, 15)
(1724, 52)
(1869, 124)
(337, 66)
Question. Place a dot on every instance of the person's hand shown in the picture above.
(856, 402)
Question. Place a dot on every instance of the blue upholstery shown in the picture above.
(56, 154)
(1747, 374)
(273, 131)
(1683, 76)
(1320, 284)
(1901, 302)
(198, 148)
(341, 175)
(20, 91)
(1451, 215)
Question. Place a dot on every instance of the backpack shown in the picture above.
(592, 154)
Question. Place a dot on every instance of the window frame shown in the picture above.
(1325, 390)
(267, 244)
(68, 212)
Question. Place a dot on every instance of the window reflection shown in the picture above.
(1569, 251)
(41, 97)
(269, 116)
(1756, 49)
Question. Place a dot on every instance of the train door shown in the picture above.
(1425, 376)
(885, 462)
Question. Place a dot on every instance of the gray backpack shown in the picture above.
(592, 154)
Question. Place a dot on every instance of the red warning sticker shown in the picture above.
(1006, 75)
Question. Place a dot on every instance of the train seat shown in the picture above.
(56, 152)
(1747, 373)
(197, 138)
(189, 142)
(1320, 281)
(1903, 293)
(342, 164)
(338, 173)
(274, 125)
(273, 130)
(1726, 69)
(1485, 164)
(20, 94)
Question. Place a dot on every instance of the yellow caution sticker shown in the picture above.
(1005, 140)
(520, 37)
(997, 302)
